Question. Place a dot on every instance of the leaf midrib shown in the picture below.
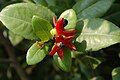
(16, 19)
(36, 52)
(44, 32)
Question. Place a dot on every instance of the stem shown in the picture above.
(11, 53)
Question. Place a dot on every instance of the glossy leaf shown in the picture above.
(64, 64)
(14, 39)
(115, 18)
(116, 73)
(18, 17)
(98, 34)
(41, 28)
(83, 4)
(35, 54)
(113, 14)
(70, 15)
(113, 9)
(91, 8)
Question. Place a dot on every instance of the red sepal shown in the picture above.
(70, 32)
(60, 52)
(59, 26)
(55, 48)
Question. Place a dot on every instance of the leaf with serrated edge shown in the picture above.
(18, 17)
(98, 34)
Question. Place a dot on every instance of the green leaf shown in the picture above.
(41, 28)
(51, 2)
(116, 74)
(28, 1)
(17, 18)
(42, 2)
(98, 34)
(14, 39)
(91, 61)
(115, 18)
(87, 65)
(113, 14)
(113, 9)
(91, 8)
(83, 4)
(64, 64)
(35, 54)
(70, 15)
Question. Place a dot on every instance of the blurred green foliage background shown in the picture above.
(45, 70)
